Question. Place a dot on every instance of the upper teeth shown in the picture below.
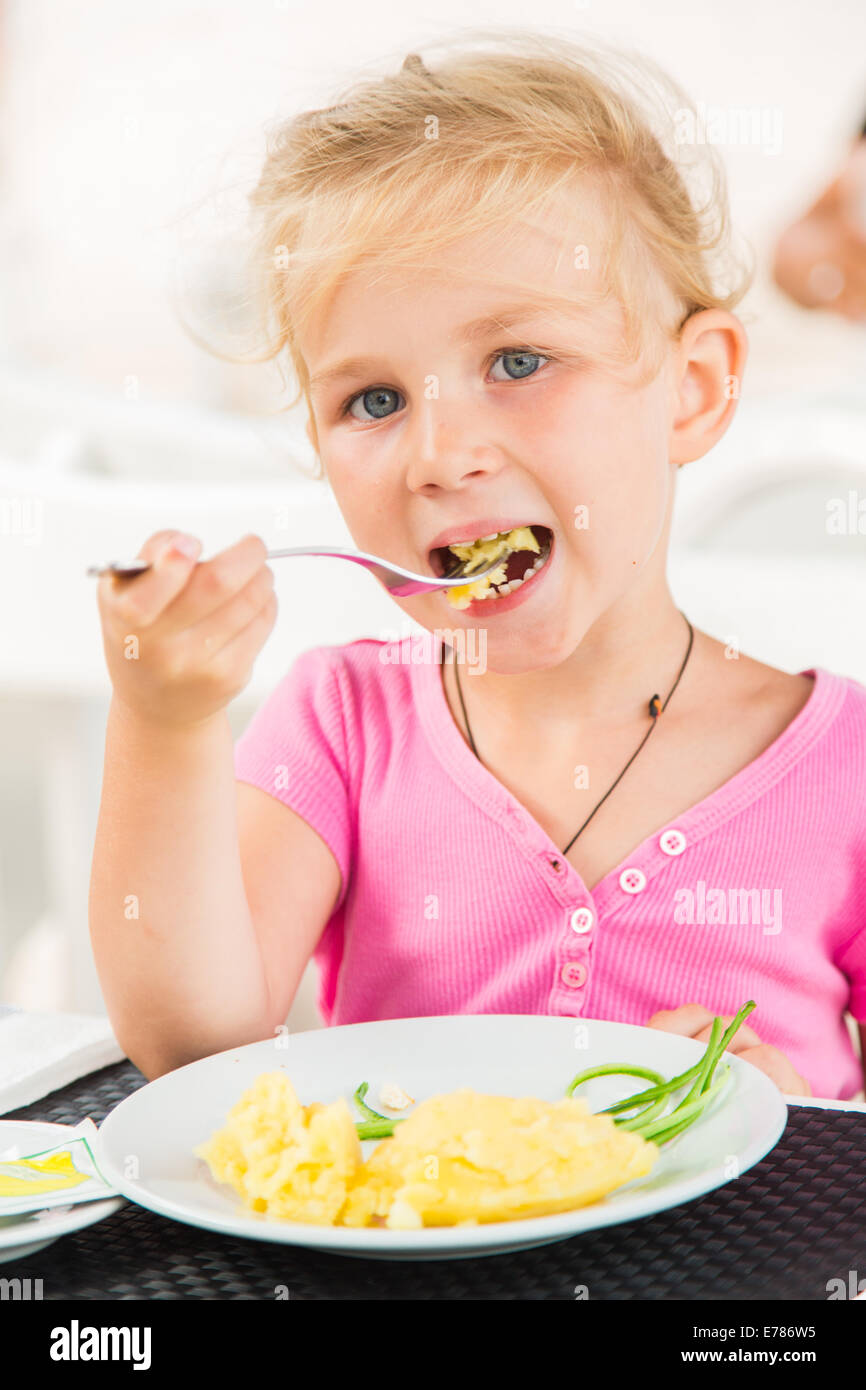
(492, 537)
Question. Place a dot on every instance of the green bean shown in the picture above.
(375, 1126)
(365, 1109)
(703, 1075)
(630, 1102)
(649, 1122)
(662, 1090)
(734, 1025)
(649, 1113)
(656, 1096)
(687, 1114)
(376, 1129)
(614, 1068)
(690, 1107)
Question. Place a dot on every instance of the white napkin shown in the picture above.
(40, 1052)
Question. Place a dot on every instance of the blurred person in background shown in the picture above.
(820, 259)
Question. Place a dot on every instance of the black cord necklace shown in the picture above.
(655, 709)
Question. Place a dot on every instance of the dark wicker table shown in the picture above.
(782, 1230)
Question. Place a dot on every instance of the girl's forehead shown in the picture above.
(538, 253)
(566, 238)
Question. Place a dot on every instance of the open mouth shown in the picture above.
(533, 545)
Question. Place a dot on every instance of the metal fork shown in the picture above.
(398, 581)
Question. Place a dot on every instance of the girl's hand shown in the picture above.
(180, 640)
(694, 1021)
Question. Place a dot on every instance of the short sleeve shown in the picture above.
(294, 748)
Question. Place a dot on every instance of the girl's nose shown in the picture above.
(443, 452)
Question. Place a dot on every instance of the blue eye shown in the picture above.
(376, 399)
(527, 363)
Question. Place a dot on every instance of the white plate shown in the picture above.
(501, 1054)
(21, 1236)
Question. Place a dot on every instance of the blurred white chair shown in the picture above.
(38, 971)
(768, 484)
(754, 558)
(304, 1013)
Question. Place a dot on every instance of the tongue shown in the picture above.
(518, 563)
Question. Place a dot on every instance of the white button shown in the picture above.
(582, 919)
(672, 842)
(632, 880)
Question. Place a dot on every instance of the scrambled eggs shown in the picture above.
(286, 1159)
(481, 553)
(458, 1159)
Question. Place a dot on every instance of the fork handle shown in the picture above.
(125, 569)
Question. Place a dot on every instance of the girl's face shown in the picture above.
(437, 429)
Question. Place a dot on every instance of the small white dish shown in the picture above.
(500, 1054)
(21, 1236)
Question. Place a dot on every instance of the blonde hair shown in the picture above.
(514, 122)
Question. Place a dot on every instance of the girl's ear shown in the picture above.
(708, 366)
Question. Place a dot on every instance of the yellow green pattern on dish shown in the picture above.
(22, 1176)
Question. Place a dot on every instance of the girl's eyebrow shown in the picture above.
(471, 332)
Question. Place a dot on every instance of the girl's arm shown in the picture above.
(173, 938)
(292, 885)
(207, 896)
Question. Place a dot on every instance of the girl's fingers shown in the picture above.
(744, 1037)
(686, 1020)
(696, 1021)
(212, 583)
(138, 602)
(775, 1064)
(237, 656)
(216, 632)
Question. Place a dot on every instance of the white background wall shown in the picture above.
(116, 116)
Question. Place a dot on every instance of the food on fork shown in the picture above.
(483, 551)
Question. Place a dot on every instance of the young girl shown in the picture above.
(504, 309)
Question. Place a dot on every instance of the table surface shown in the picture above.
(781, 1230)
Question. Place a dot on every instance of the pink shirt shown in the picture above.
(455, 900)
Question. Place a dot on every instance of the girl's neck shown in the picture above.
(608, 679)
